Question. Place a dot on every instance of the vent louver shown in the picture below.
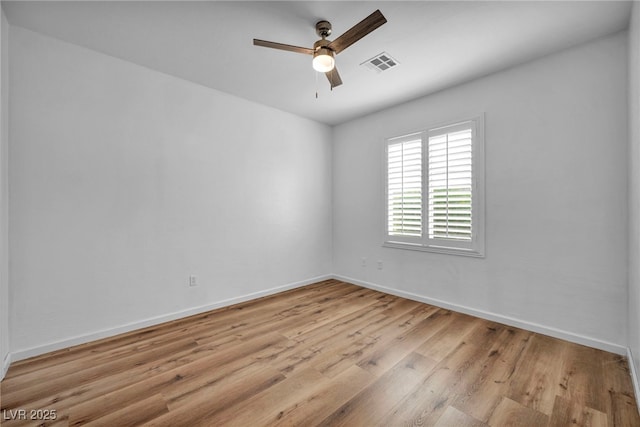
(381, 62)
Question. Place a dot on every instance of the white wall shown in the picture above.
(634, 185)
(124, 181)
(556, 197)
(4, 196)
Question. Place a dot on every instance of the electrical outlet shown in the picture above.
(193, 281)
(379, 265)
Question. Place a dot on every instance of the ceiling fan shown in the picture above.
(324, 50)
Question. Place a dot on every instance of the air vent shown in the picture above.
(381, 62)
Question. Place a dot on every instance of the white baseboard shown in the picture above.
(518, 323)
(105, 333)
(634, 376)
(5, 365)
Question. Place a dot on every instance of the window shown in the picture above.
(435, 189)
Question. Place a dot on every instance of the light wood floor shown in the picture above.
(327, 354)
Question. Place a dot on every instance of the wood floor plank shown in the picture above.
(370, 405)
(65, 369)
(512, 414)
(204, 406)
(178, 382)
(241, 365)
(330, 353)
(582, 377)
(320, 316)
(324, 397)
(567, 413)
(390, 351)
(620, 398)
(33, 388)
(439, 345)
(483, 394)
(76, 394)
(535, 382)
(326, 350)
(335, 362)
(265, 407)
(134, 414)
(453, 417)
(453, 376)
(428, 400)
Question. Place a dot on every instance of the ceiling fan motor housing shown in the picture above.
(323, 28)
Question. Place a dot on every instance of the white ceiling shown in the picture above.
(438, 44)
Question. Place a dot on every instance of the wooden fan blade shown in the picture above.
(333, 77)
(282, 46)
(358, 31)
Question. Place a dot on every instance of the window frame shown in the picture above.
(473, 248)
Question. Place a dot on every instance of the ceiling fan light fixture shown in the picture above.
(323, 60)
(324, 50)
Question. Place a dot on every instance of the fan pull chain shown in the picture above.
(316, 73)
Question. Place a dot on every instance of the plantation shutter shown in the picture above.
(450, 182)
(404, 186)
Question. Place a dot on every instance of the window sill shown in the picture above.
(434, 249)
